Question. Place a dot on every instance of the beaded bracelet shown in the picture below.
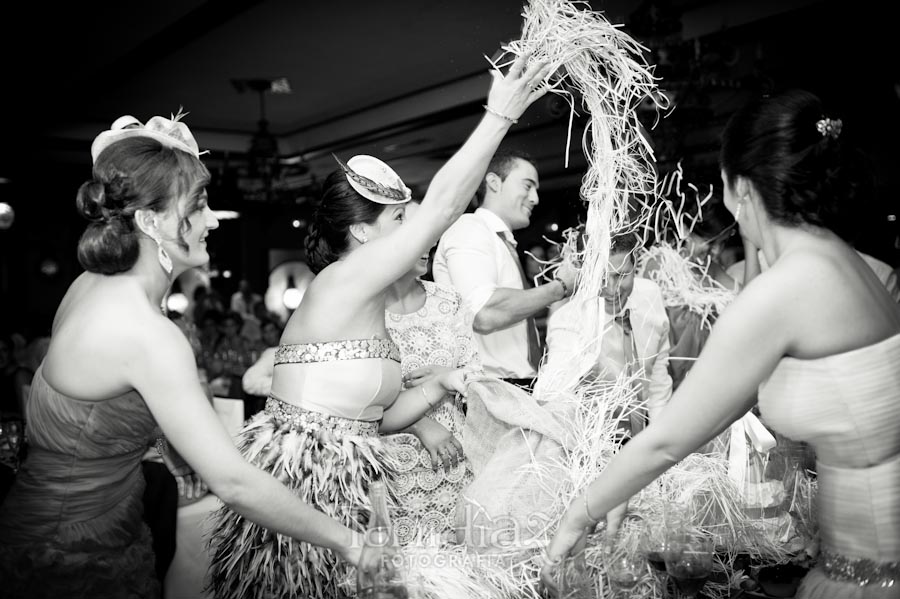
(161, 446)
(563, 283)
(508, 119)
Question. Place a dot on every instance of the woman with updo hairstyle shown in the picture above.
(816, 335)
(337, 381)
(329, 232)
(109, 201)
(119, 377)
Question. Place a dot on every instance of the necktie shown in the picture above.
(638, 417)
(535, 352)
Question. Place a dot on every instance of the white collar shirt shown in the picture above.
(571, 356)
(473, 258)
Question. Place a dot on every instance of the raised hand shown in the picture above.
(515, 91)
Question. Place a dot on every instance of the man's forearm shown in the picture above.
(509, 306)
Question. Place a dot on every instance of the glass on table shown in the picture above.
(689, 562)
(575, 578)
(654, 543)
(625, 565)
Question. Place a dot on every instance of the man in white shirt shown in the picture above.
(625, 330)
(477, 256)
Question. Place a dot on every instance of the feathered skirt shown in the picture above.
(328, 462)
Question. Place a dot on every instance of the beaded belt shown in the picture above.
(301, 418)
(860, 571)
(329, 351)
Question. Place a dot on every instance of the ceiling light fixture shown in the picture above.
(263, 151)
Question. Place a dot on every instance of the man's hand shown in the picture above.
(567, 273)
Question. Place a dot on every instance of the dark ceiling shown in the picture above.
(404, 80)
(401, 79)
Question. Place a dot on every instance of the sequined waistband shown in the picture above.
(329, 351)
(308, 420)
(860, 571)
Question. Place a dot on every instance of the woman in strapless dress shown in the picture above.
(336, 381)
(816, 335)
(116, 372)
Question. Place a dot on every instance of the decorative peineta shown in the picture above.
(374, 180)
(829, 127)
(171, 132)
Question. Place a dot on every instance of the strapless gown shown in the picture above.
(847, 407)
(321, 440)
(71, 526)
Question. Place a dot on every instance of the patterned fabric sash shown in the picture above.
(302, 419)
(329, 351)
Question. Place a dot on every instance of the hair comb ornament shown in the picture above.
(171, 132)
(829, 127)
(374, 180)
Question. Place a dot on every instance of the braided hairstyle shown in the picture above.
(328, 236)
(131, 174)
(803, 176)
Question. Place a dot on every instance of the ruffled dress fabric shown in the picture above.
(439, 333)
(327, 459)
(72, 523)
(847, 407)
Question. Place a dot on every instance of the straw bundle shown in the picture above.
(599, 69)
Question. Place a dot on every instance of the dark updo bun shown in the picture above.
(803, 176)
(108, 245)
(129, 175)
(328, 236)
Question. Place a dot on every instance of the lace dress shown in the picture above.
(438, 333)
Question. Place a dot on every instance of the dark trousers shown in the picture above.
(160, 513)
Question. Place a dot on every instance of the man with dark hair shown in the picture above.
(628, 334)
(477, 256)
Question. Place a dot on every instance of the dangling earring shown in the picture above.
(162, 255)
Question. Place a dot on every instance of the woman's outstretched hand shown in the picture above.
(515, 91)
(453, 381)
(423, 374)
